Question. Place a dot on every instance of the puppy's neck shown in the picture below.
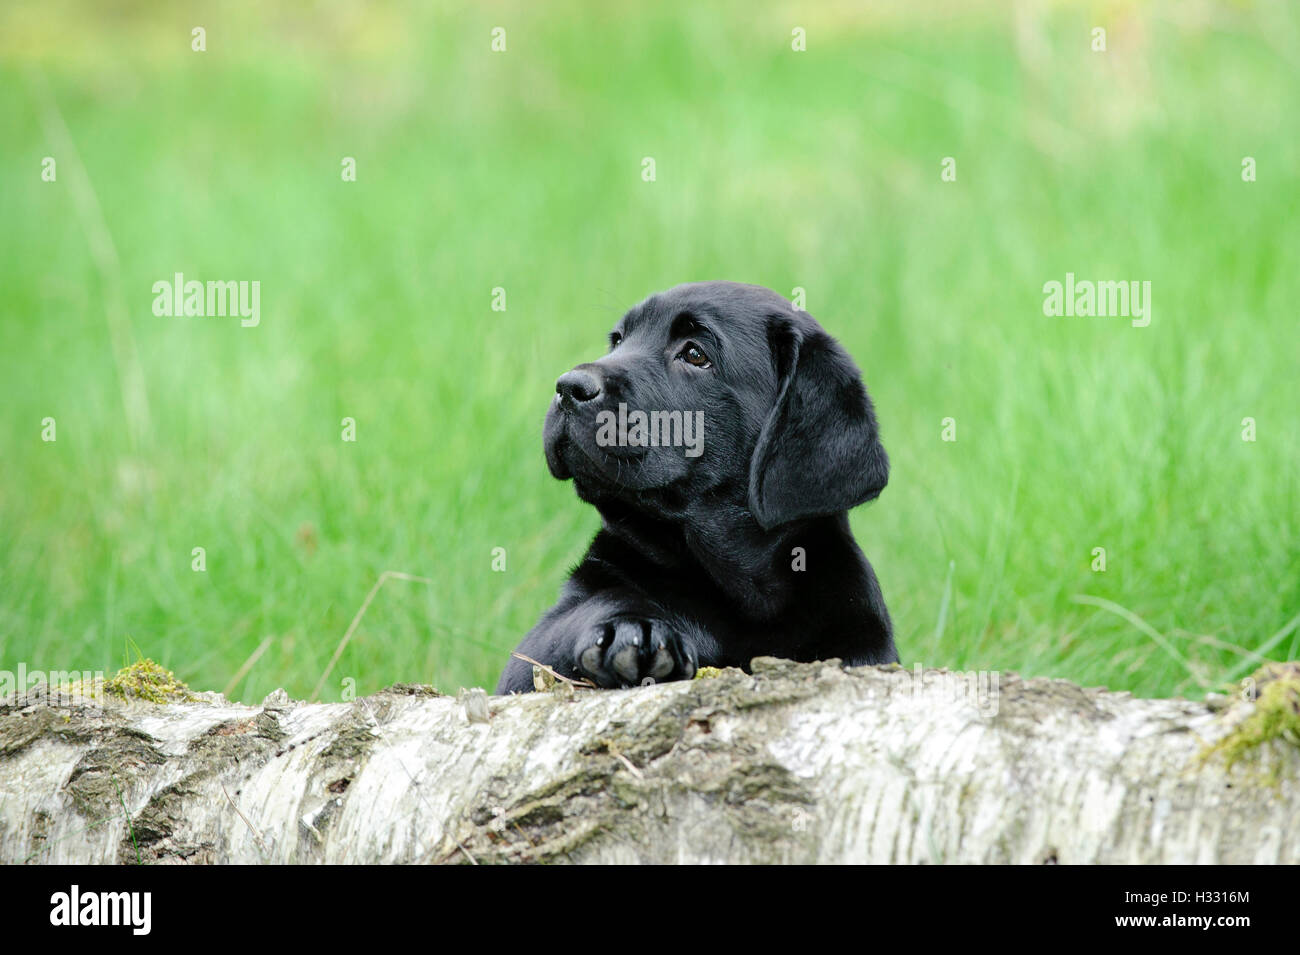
(742, 559)
(749, 565)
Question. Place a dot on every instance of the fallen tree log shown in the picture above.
(794, 763)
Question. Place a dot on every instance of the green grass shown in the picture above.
(523, 170)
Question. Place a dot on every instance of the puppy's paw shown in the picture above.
(632, 651)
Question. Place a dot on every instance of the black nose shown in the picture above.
(577, 386)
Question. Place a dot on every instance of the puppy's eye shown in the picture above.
(692, 354)
(615, 339)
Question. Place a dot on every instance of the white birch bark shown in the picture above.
(796, 763)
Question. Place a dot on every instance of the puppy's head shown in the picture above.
(718, 392)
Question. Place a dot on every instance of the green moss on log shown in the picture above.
(146, 680)
(1275, 715)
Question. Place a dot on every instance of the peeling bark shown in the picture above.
(795, 763)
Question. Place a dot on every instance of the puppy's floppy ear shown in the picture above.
(819, 451)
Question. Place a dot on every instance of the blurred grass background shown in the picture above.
(816, 169)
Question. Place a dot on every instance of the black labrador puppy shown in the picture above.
(723, 439)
